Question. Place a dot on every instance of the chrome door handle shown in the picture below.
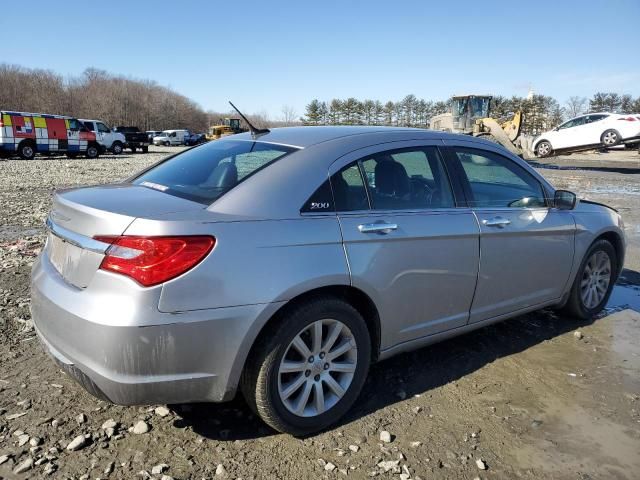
(499, 222)
(380, 227)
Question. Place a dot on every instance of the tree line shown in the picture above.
(541, 112)
(97, 94)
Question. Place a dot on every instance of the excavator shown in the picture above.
(470, 115)
(230, 126)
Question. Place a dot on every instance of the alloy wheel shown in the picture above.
(610, 138)
(596, 278)
(543, 149)
(317, 368)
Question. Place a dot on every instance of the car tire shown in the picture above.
(93, 151)
(145, 149)
(167, 144)
(264, 383)
(543, 149)
(610, 138)
(27, 150)
(580, 305)
(117, 148)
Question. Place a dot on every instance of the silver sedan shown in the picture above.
(283, 264)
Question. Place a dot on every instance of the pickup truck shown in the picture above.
(134, 138)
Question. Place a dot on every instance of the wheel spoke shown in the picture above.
(334, 386)
(334, 332)
(319, 397)
(304, 398)
(292, 367)
(316, 337)
(301, 347)
(341, 349)
(293, 387)
(343, 367)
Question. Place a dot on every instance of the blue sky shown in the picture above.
(266, 54)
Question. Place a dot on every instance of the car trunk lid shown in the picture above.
(79, 215)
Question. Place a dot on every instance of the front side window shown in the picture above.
(102, 128)
(206, 173)
(576, 122)
(407, 179)
(497, 182)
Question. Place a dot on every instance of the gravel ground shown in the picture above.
(538, 397)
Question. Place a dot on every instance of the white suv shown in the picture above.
(105, 136)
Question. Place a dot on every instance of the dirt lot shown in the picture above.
(538, 397)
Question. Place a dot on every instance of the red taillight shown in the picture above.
(629, 119)
(153, 260)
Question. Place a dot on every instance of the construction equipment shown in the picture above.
(470, 115)
(230, 126)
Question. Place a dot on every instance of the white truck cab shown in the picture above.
(172, 137)
(105, 136)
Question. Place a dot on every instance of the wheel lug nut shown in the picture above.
(307, 373)
(326, 366)
(321, 354)
(311, 359)
(317, 378)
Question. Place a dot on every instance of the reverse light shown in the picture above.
(154, 260)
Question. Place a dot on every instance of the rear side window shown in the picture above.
(205, 173)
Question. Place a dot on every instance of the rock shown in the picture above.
(162, 411)
(50, 468)
(4, 459)
(16, 415)
(23, 439)
(77, 443)
(55, 423)
(405, 476)
(111, 423)
(109, 432)
(166, 477)
(536, 423)
(416, 409)
(415, 444)
(220, 470)
(329, 467)
(24, 466)
(481, 465)
(82, 418)
(109, 468)
(158, 469)
(140, 427)
(578, 334)
(388, 465)
(385, 437)
(354, 448)
(35, 441)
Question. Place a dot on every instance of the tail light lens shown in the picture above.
(154, 260)
(629, 119)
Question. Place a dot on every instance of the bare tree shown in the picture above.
(576, 106)
(289, 115)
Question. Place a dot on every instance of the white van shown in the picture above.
(172, 137)
(105, 136)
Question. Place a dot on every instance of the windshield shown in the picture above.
(205, 173)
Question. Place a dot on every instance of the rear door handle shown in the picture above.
(499, 222)
(378, 227)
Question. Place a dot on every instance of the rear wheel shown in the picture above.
(595, 280)
(92, 151)
(543, 149)
(309, 370)
(610, 138)
(27, 150)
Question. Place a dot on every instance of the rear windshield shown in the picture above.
(203, 174)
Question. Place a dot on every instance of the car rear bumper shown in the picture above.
(187, 357)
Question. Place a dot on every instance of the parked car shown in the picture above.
(135, 139)
(284, 264)
(593, 130)
(152, 133)
(195, 139)
(172, 137)
(26, 134)
(109, 139)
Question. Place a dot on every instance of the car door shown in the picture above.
(105, 135)
(594, 128)
(408, 243)
(526, 246)
(572, 133)
(73, 134)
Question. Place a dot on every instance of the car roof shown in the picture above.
(303, 137)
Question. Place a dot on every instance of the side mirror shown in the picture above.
(564, 200)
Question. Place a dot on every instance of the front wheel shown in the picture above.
(543, 149)
(610, 138)
(595, 280)
(310, 369)
(167, 144)
(117, 148)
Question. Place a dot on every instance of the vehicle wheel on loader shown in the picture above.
(543, 149)
(610, 138)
